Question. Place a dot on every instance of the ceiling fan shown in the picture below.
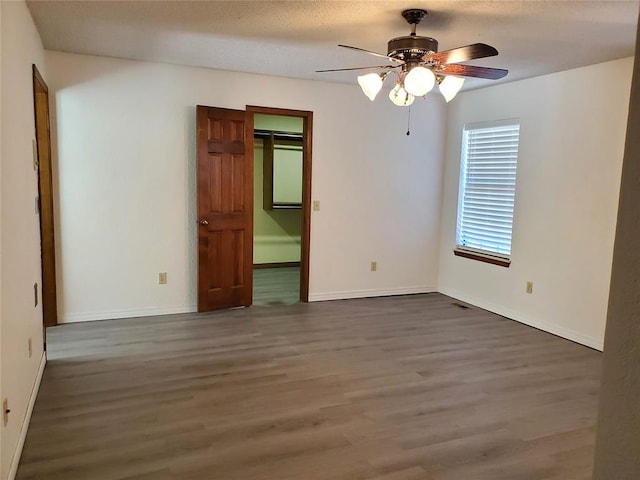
(418, 65)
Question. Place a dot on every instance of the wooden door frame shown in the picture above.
(305, 240)
(45, 200)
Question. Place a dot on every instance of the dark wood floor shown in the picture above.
(276, 286)
(396, 388)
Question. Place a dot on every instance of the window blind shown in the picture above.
(487, 187)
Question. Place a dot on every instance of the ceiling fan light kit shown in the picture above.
(450, 86)
(419, 81)
(371, 83)
(400, 97)
(419, 66)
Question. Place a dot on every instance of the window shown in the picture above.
(487, 191)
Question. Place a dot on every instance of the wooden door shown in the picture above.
(225, 208)
(45, 195)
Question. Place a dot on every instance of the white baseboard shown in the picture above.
(15, 460)
(146, 312)
(384, 292)
(554, 329)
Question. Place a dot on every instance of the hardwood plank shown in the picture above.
(276, 286)
(395, 388)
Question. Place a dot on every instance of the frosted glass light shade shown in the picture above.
(419, 81)
(450, 86)
(400, 97)
(370, 84)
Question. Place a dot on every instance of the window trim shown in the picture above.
(486, 256)
(482, 257)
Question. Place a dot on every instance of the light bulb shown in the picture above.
(371, 84)
(400, 97)
(450, 86)
(419, 81)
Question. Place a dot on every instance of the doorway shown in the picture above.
(42, 163)
(282, 203)
(225, 203)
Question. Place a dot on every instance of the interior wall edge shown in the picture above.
(617, 445)
(542, 325)
(15, 461)
(21, 317)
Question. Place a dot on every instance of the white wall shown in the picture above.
(572, 131)
(125, 133)
(19, 237)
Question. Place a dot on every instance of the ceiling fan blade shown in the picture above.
(357, 68)
(373, 53)
(472, 71)
(464, 54)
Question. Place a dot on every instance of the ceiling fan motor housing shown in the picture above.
(411, 48)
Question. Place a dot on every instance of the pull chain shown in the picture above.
(409, 122)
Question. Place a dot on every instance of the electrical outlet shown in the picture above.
(316, 205)
(162, 278)
(529, 287)
(30, 347)
(374, 266)
(35, 294)
(5, 411)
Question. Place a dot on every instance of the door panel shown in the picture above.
(225, 208)
(214, 178)
(237, 181)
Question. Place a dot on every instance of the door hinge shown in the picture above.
(36, 162)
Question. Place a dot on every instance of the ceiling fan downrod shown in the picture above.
(414, 16)
(411, 48)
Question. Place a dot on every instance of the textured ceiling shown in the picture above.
(295, 38)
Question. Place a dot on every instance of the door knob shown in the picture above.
(204, 222)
